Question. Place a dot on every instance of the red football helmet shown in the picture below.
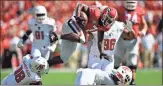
(108, 16)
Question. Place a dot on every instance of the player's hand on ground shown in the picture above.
(102, 55)
(105, 56)
(20, 43)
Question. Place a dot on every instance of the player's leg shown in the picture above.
(85, 77)
(120, 51)
(132, 56)
(45, 53)
(132, 64)
(67, 49)
(4, 82)
(14, 60)
(35, 52)
(9, 80)
(107, 64)
(151, 57)
(94, 62)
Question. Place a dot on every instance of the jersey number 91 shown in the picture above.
(39, 35)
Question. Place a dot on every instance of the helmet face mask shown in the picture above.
(108, 16)
(130, 4)
(124, 74)
(40, 13)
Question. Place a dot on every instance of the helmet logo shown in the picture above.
(119, 75)
(40, 67)
(126, 69)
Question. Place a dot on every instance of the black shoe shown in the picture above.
(133, 82)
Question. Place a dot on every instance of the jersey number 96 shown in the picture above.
(109, 44)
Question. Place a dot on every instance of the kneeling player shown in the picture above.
(121, 76)
(29, 72)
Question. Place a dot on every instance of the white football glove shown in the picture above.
(51, 48)
(20, 43)
(128, 25)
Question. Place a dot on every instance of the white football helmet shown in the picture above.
(40, 13)
(130, 4)
(124, 74)
(39, 65)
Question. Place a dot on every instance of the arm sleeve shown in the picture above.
(28, 32)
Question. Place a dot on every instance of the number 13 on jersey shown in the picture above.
(109, 44)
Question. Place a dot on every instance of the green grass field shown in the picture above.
(63, 77)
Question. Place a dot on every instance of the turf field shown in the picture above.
(64, 76)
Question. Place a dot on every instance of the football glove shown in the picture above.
(53, 37)
(20, 43)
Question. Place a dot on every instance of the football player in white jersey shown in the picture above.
(43, 30)
(128, 45)
(77, 28)
(107, 42)
(121, 76)
(108, 39)
(93, 51)
(29, 71)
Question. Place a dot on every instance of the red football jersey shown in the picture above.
(93, 19)
(133, 16)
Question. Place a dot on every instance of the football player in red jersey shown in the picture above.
(85, 19)
(127, 45)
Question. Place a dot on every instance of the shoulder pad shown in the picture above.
(51, 21)
(31, 21)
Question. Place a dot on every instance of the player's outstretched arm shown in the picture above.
(143, 30)
(100, 43)
(128, 32)
(53, 41)
(80, 7)
(24, 38)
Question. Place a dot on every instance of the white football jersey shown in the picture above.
(94, 77)
(93, 45)
(41, 31)
(111, 37)
(22, 75)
